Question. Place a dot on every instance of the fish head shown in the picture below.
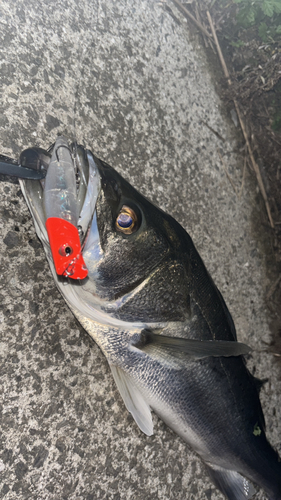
(133, 252)
(135, 238)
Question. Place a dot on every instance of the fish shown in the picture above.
(133, 278)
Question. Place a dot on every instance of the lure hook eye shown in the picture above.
(126, 221)
(65, 250)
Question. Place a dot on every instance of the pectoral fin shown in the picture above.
(134, 400)
(196, 348)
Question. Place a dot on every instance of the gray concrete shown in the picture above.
(142, 89)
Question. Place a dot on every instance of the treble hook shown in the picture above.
(62, 146)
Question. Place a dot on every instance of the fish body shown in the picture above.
(155, 312)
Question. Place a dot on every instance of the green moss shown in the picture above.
(257, 430)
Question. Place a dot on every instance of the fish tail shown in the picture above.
(268, 473)
(231, 483)
(262, 467)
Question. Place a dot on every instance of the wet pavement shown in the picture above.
(129, 81)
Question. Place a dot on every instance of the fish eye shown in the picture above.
(126, 221)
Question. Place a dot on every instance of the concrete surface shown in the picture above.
(140, 89)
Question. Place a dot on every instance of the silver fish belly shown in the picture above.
(153, 309)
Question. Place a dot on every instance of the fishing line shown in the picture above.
(85, 49)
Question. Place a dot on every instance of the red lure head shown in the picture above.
(66, 248)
